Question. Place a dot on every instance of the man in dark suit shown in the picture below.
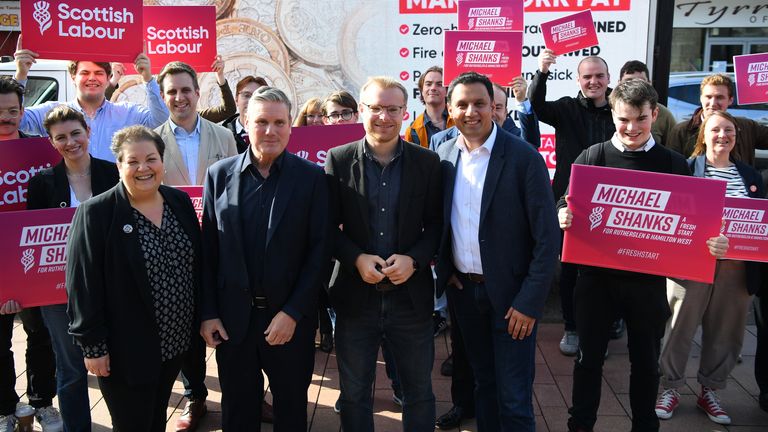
(385, 197)
(265, 230)
(497, 254)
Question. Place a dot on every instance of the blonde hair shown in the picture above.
(311, 105)
(384, 82)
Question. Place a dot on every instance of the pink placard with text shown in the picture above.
(196, 195)
(20, 160)
(92, 30)
(751, 73)
(643, 222)
(498, 15)
(34, 256)
(570, 33)
(180, 33)
(497, 55)
(745, 223)
(313, 142)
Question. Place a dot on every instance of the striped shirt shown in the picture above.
(731, 175)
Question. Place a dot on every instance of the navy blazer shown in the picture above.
(753, 182)
(519, 234)
(110, 297)
(296, 246)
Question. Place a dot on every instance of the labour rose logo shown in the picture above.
(42, 16)
(471, 23)
(596, 217)
(751, 79)
(459, 58)
(27, 259)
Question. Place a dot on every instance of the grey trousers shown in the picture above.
(721, 309)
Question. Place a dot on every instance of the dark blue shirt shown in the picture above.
(382, 188)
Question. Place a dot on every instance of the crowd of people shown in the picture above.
(454, 222)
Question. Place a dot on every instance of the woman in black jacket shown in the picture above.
(132, 279)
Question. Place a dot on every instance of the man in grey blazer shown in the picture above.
(192, 144)
(497, 254)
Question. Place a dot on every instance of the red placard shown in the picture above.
(745, 223)
(196, 195)
(20, 160)
(83, 29)
(751, 78)
(34, 256)
(498, 15)
(643, 222)
(313, 142)
(180, 33)
(570, 33)
(497, 55)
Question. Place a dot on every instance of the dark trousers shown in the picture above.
(288, 367)
(140, 407)
(193, 370)
(504, 368)
(568, 274)
(41, 366)
(601, 297)
(323, 317)
(462, 379)
(761, 354)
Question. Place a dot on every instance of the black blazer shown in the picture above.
(49, 188)
(519, 236)
(109, 293)
(296, 249)
(419, 222)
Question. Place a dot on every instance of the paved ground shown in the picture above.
(552, 392)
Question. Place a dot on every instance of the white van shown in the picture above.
(48, 80)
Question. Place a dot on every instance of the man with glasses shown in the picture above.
(339, 108)
(243, 92)
(385, 195)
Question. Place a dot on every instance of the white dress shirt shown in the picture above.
(465, 208)
(622, 148)
(189, 146)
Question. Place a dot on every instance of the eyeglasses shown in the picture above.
(344, 115)
(392, 110)
(10, 113)
(313, 117)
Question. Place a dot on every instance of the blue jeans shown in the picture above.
(504, 368)
(409, 340)
(71, 376)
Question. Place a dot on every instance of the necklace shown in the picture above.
(79, 175)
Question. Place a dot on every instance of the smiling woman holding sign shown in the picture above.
(721, 307)
(132, 276)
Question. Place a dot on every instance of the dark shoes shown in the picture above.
(194, 410)
(617, 329)
(440, 323)
(452, 419)
(446, 368)
(267, 416)
(326, 342)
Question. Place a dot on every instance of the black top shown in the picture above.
(257, 195)
(382, 184)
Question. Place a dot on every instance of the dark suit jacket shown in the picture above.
(49, 188)
(110, 297)
(296, 249)
(419, 222)
(519, 234)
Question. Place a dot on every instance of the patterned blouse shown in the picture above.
(169, 260)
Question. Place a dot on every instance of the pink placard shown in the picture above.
(196, 195)
(570, 33)
(497, 55)
(180, 33)
(313, 142)
(20, 160)
(643, 222)
(745, 223)
(497, 15)
(751, 78)
(92, 30)
(34, 256)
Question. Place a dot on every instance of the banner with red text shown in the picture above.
(570, 33)
(498, 15)
(20, 160)
(196, 195)
(498, 55)
(83, 29)
(745, 223)
(180, 33)
(643, 222)
(751, 73)
(313, 142)
(34, 256)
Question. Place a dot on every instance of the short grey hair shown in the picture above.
(270, 94)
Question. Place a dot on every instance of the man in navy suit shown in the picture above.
(265, 230)
(498, 252)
